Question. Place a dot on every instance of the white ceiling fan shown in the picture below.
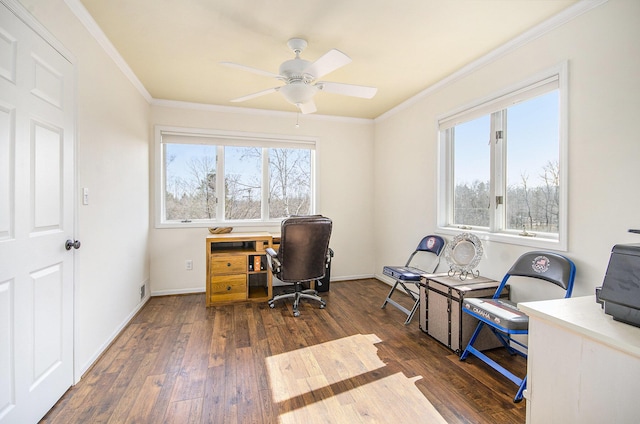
(301, 78)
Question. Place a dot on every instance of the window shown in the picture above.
(209, 178)
(503, 165)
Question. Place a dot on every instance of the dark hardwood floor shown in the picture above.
(178, 361)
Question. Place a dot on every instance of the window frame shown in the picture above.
(492, 105)
(221, 138)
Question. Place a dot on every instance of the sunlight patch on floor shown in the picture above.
(325, 379)
(310, 368)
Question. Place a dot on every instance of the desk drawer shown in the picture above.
(231, 264)
(228, 287)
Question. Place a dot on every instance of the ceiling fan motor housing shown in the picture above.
(294, 69)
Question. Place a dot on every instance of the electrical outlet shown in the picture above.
(188, 265)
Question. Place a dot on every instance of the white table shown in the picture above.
(583, 367)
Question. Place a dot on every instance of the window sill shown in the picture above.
(507, 238)
(270, 226)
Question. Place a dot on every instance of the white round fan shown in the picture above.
(300, 78)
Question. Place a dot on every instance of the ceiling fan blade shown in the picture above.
(254, 95)
(308, 107)
(347, 89)
(250, 69)
(329, 62)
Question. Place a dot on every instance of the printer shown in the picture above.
(620, 291)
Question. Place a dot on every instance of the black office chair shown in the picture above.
(505, 319)
(303, 256)
(411, 272)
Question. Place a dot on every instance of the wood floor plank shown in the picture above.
(249, 405)
(146, 399)
(193, 371)
(215, 408)
(180, 362)
(184, 412)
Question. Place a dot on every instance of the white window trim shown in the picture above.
(243, 138)
(444, 162)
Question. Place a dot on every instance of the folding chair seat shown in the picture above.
(505, 319)
(411, 272)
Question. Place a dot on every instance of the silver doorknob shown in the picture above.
(72, 243)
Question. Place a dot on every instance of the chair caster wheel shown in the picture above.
(296, 313)
(323, 305)
(271, 305)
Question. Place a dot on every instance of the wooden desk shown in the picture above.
(583, 367)
(237, 268)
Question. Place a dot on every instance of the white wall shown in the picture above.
(376, 180)
(112, 161)
(345, 191)
(604, 147)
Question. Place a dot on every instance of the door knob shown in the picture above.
(72, 243)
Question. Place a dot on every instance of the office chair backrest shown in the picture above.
(547, 266)
(304, 244)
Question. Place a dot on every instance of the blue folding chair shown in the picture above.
(505, 319)
(411, 274)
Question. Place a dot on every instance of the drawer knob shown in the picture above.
(228, 288)
(228, 263)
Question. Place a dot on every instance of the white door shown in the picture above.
(36, 218)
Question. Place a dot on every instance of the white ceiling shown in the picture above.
(402, 47)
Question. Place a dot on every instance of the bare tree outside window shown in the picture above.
(472, 174)
(532, 198)
(191, 180)
(535, 207)
(530, 207)
(289, 182)
(243, 182)
(190, 183)
(472, 204)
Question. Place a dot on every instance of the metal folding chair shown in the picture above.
(403, 275)
(505, 319)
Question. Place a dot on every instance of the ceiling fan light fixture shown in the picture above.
(298, 93)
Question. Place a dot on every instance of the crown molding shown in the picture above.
(251, 111)
(23, 14)
(90, 24)
(526, 37)
(552, 23)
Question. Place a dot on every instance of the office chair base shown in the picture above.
(296, 296)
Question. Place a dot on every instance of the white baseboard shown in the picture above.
(178, 291)
(81, 370)
(351, 277)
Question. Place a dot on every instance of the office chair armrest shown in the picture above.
(272, 256)
(329, 256)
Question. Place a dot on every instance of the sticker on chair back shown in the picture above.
(541, 264)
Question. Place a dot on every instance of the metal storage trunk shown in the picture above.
(441, 314)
